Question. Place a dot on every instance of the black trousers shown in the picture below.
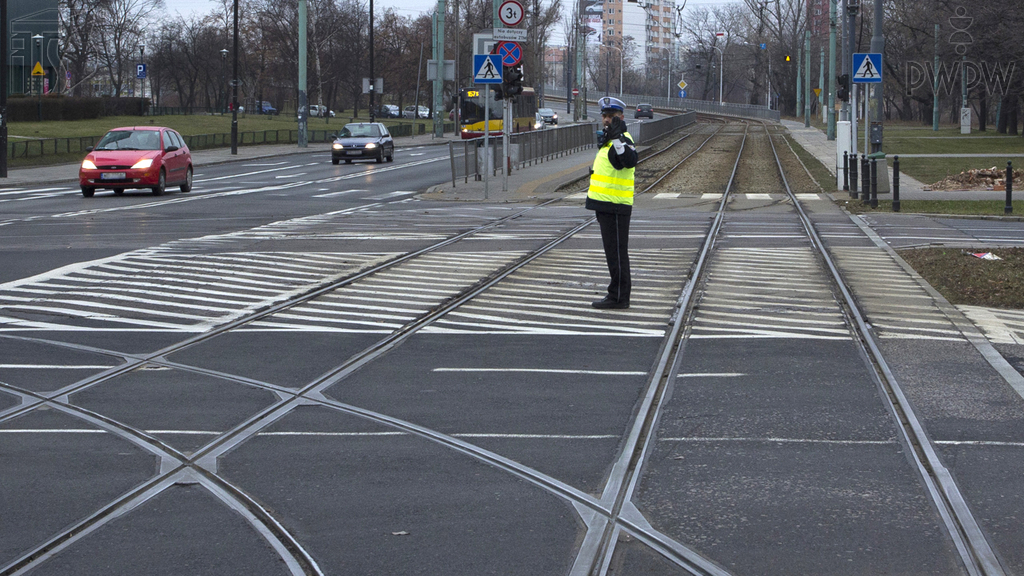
(615, 237)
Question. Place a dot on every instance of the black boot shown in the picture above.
(610, 303)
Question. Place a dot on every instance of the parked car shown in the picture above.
(410, 112)
(361, 140)
(548, 116)
(134, 157)
(645, 111)
(318, 111)
(388, 111)
(267, 108)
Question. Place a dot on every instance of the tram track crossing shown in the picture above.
(200, 467)
(609, 516)
(596, 557)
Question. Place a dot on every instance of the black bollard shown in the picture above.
(846, 171)
(853, 176)
(865, 179)
(1009, 188)
(874, 183)
(896, 184)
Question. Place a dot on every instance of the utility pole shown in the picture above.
(807, 79)
(303, 136)
(799, 77)
(822, 96)
(438, 102)
(852, 7)
(5, 42)
(935, 84)
(877, 47)
(831, 128)
(234, 89)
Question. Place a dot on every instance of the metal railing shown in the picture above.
(528, 148)
(468, 159)
(702, 106)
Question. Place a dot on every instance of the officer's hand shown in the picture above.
(619, 145)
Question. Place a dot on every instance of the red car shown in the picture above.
(137, 157)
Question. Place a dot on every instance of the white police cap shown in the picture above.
(609, 104)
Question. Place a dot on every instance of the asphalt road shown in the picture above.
(327, 437)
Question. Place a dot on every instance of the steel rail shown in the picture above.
(597, 551)
(975, 551)
(174, 464)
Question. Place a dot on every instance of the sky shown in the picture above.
(411, 8)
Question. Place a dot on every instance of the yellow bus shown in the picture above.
(471, 113)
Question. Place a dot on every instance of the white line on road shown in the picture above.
(339, 193)
(542, 370)
(55, 367)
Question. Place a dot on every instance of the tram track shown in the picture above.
(201, 466)
(607, 517)
(596, 556)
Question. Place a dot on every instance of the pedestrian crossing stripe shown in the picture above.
(868, 68)
(487, 69)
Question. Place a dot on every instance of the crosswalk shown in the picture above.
(895, 305)
(164, 290)
(712, 196)
(767, 293)
(552, 295)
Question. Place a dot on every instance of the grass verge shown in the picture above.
(821, 175)
(965, 279)
(953, 207)
(930, 170)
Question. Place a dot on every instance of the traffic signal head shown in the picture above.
(513, 82)
(843, 87)
(787, 58)
(499, 91)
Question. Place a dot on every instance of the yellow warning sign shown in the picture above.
(682, 84)
(37, 70)
(817, 92)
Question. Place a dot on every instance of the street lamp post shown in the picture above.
(721, 72)
(224, 67)
(39, 89)
(234, 89)
(621, 61)
(142, 81)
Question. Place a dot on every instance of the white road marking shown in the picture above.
(55, 367)
(771, 440)
(543, 371)
(511, 436)
(711, 375)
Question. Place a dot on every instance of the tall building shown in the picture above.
(648, 24)
(817, 20)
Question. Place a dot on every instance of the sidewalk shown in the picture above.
(817, 144)
(65, 173)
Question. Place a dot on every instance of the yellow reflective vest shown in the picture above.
(608, 184)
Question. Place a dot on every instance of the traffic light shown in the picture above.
(513, 82)
(843, 87)
(499, 91)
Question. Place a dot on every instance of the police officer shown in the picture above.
(611, 197)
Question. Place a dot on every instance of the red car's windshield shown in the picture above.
(130, 140)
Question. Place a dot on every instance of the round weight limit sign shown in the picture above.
(510, 13)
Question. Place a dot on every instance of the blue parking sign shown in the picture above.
(140, 70)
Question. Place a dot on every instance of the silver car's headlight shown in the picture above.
(337, 146)
(371, 145)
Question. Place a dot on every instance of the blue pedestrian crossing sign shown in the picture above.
(867, 68)
(486, 69)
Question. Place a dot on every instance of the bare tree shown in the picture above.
(120, 28)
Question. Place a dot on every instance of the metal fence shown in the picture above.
(24, 149)
(528, 148)
(702, 106)
(468, 158)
